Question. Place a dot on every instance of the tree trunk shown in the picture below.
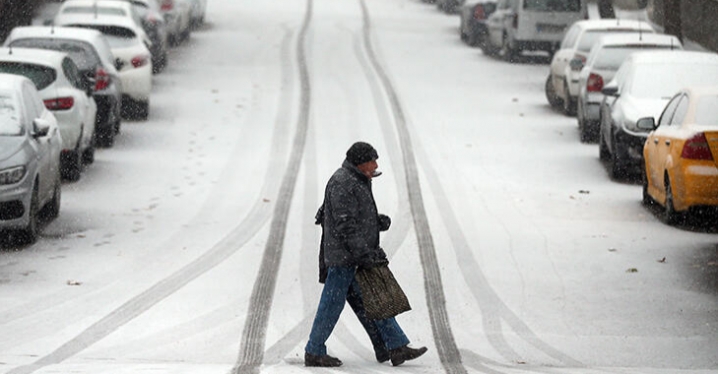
(605, 9)
(15, 13)
(672, 18)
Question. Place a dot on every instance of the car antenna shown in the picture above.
(9, 49)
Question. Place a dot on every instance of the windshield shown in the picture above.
(590, 37)
(42, 76)
(553, 5)
(611, 58)
(9, 118)
(707, 111)
(663, 80)
(117, 36)
(95, 10)
(81, 53)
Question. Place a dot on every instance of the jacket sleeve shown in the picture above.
(345, 209)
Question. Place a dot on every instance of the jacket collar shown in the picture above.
(355, 170)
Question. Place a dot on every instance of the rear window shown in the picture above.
(82, 53)
(41, 76)
(9, 116)
(117, 36)
(673, 77)
(553, 5)
(94, 10)
(611, 58)
(707, 111)
(589, 38)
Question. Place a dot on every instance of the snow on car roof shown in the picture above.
(11, 82)
(44, 57)
(598, 24)
(100, 19)
(636, 39)
(673, 57)
(103, 3)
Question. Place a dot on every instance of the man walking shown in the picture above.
(350, 239)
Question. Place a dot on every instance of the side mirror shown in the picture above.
(41, 127)
(576, 64)
(119, 64)
(88, 85)
(610, 90)
(646, 124)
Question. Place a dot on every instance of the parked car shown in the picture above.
(604, 59)
(178, 15)
(566, 64)
(449, 6)
(473, 29)
(680, 169)
(533, 25)
(147, 14)
(30, 145)
(198, 9)
(134, 62)
(66, 93)
(641, 88)
(91, 52)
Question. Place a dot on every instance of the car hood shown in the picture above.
(10, 146)
(636, 108)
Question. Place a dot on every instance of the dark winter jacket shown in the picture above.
(350, 222)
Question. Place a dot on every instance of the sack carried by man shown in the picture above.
(383, 297)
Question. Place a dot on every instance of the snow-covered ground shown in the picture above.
(199, 222)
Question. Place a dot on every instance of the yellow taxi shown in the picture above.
(680, 169)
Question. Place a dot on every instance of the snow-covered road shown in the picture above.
(190, 246)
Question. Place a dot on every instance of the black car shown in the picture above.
(473, 28)
(92, 55)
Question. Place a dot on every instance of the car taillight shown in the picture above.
(594, 83)
(102, 79)
(59, 103)
(696, 148)
(139, 61)
(479, 12)
(167, 5)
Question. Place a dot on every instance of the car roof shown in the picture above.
(702, 90)
(78, 33)
(602, 24)
(105, 3)
(634, 38)
(12, 82)
(673, 57)
(36, 56)
(100, 20)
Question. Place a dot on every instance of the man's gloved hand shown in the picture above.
(384, 222)
(369, 263)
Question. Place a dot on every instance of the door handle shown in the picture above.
(668, 142)
(655, 141)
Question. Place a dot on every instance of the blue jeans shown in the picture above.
(340, 283)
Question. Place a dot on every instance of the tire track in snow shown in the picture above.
(251, 349)
(443, 337)
(226, 247)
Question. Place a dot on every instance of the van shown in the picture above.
(531, 25)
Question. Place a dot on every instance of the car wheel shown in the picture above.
(569, 104)
(29, 233)
(88, 156)
(72, 166)
(52, 209)
(646, 198)
(142, 110)
(615, 166)
(583, 130)
(551, 96)
(670, 215)
(106, 137)
(603, 153)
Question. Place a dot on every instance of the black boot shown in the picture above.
(322, 361)
(405, 353)
(382, 354)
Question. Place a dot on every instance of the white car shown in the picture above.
(66, 93)
(605, 58)
(198, 9)
(178, 15)
(30, 145)
(519, 25)
(567, 62)
(134, 60)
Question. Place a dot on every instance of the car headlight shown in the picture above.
(12, 175)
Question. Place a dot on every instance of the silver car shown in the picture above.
(30, 144)
(604, 59)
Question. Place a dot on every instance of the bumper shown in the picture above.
(70, 130)
(592, 112)
(15, 204)
(629, 149)
(137, 82)
(696, 186)
(536, 45)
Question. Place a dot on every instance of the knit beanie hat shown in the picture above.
(361, 152)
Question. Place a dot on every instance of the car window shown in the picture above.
(707, 110)
(667, 114)
(94, 10)
(82, 53)
(553, 5)
(73, 76)
(10, 124)
(41, 76)
(570, 39)
(117, 36)
(589, 38)
(30, 100)
(673, 77)
(681, 110)
(611, 57)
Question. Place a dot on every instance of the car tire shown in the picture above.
(142, 110)
(71, 168)
(88, 155)
(603, 153)
(646, 198)
(670, 215)
(507, 52)
(29, 232)
(550, 92)
(52, 209)
(615, 166)
(569, 104)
